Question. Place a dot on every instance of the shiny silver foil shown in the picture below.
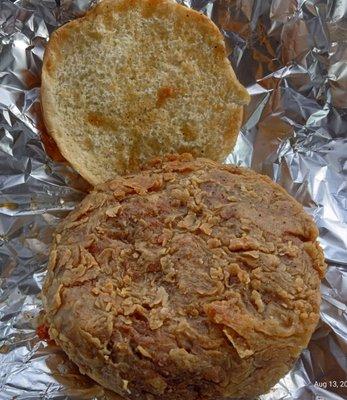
(292, 57)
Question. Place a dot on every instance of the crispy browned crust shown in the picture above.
(159, 8)
(190, 280)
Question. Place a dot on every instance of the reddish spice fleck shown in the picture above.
(42, 332)
(94, 249)
(153, 267)
(164, 93)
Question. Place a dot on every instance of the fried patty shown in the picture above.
(189, 280)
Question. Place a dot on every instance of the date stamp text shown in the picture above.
(331, 384)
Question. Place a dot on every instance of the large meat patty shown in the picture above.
(189, 280)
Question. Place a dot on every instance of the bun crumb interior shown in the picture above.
(134, 79)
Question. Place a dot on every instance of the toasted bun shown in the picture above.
(134, 79)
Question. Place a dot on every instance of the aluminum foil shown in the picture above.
(292, 57)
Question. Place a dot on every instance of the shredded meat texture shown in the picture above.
(189, 280)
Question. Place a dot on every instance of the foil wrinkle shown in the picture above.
(292, 57)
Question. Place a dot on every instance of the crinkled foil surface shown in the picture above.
(292, 57)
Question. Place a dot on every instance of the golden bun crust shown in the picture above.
(188, 280)
(134, 79)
